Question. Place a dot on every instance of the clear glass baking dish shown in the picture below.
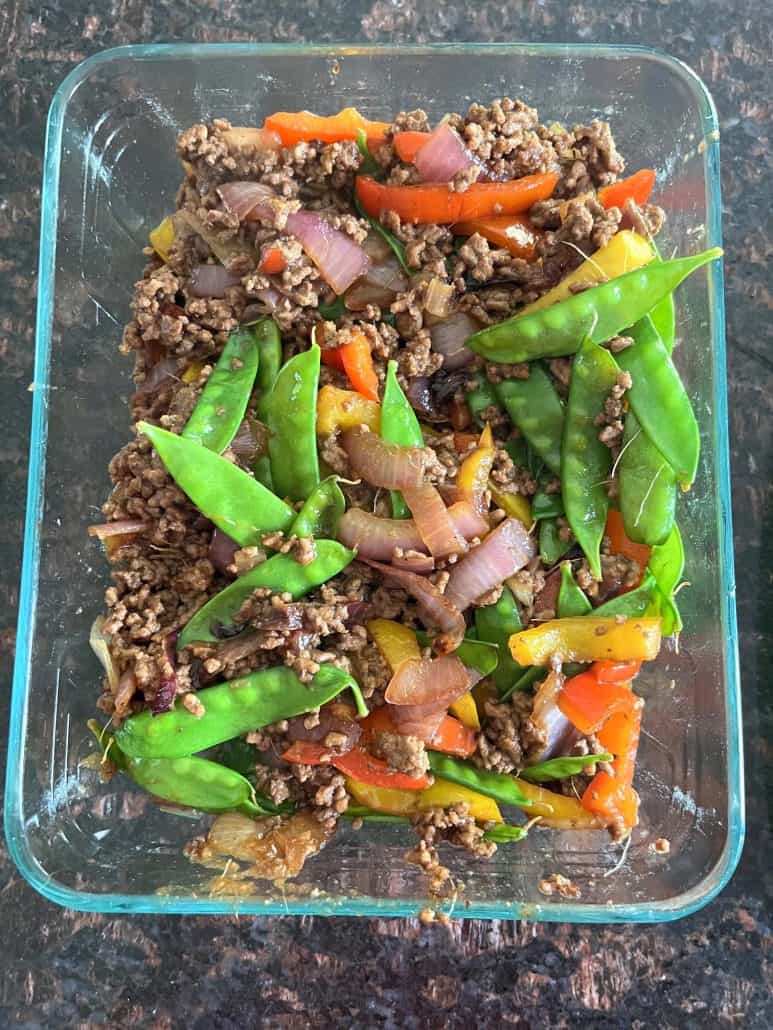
(110, 175)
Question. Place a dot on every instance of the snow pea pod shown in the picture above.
(496, 623)
(230, 710)
(551, 546)
(571, 600)
(560, 768)
(291, 416)
(546, 506)
(269, 344)
(321, 512)
(498, 786)
(600, 312)
(476, 654)
(232, 499)
(279, 573)
(663, 314)
(535, 673)
(398, 425)
(634, 603)
(536, 409)
(660, 402)
(647, 487)
(223, 401)
(667, 566)
(585, 461)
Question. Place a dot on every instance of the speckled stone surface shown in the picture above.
(62, 969)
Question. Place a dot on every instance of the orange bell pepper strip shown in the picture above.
(636, 187)
(357, 361)
(620, 544)
(588, 704)
(588, 638)
(443, 206)
(611, 800)
(472, 480)
(345, 409)
(513, 232)
(620, 735)
(298, 126)
(615, 672)
(272, 261)
(358, 764)
(407, 144)
(451, 737)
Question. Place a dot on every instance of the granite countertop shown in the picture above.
(62, 968)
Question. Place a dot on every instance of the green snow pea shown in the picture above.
(585, 461)
(551, 546)
(546, 506)
(496, 623)
(321, 512)
(536, 673)
(667, 566)
(647, 487)
(368, 815)
(480, 398)
(281, 572)
(477, 654)
(600, 312)
(560, 768)
(333, 311)
(663, 314)
(498, 786)
(270, 350)
(506, 833)
(634, 603)
(230, 710)
(536, 409)
(660, 402)
(223, 401)
(291, 416)
(398, 425)
(571, 599)
(238, 504)
(368, 165)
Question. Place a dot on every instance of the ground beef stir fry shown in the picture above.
(395, 528)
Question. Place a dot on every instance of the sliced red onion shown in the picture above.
(503, 552)
(468, 522)
(547, 598)
(248, 200)
(443, 155)
(339, 259)
(270, 297)
(422, 721)
(423, 401)
(384, 464)
(433, 521)
(374, 537)
(380, 285)
(250, 441)
(414, 562)
(125, 691)
(435, 608)
(222, 550)
(211, 281)
(160, 373)
(450, 336)
(549, 720)
(428, 681)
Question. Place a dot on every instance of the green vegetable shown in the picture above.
(270, 349)
(398, 425)
(231, 709)
(321, 511)
(561, 768)
(279, 573)
(480, 398)
(660, 402)
(663, 314)
(233, 500)
(546, 506)
(223, 401)
(667, 566)
(396, 246)
(536, 409)
(504, 833)
(551, 546)
(368, 815)
(599, 313)
(291, 417)
(496, 623)
(634, 603)
(647, 487)
(332, 312)
(535, 673)
(571, 599)
(585, 461)
(499, 786)
(368, 165)
(477, 654)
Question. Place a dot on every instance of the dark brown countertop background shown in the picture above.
(61, 968)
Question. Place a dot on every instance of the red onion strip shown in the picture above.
(434, 521)
(211, 281)
(443, 155)
(384, 464)
(503, 552)
(450, 336)
(249, 201)
(428, 681)
(222, 550)
(374, 537)
(339, 259)
(549, 719)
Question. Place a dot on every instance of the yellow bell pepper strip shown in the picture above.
(297, 126)
(440, 795)
(472, 479)
(466, 711)
(192, 372)
(515, 505)
(397, 643)
(588, 638)
(625, 252)
(162, 237)
(345, 409)
(557, 811)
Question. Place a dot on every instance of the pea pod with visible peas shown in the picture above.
(269, 344)
(496, 623)
(494, 785)
(223, 401)
(232, 709)
(536, 409)
(291, 416)
(600, 312)
(238, 504)
(647, 487)
(398, 425)
(321, 511)
(585, 461)
(279, 573)
(571, 599)
(551, 545)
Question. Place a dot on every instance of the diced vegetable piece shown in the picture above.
(407, 144)
(344, 409)
(162, 237)
(611, 800)
(615, 672)
(516, 506)
(397, 643)
(556, 810)
(588, 638)
(356, 360)
(588, 703)
(272, 261)
(466, 711)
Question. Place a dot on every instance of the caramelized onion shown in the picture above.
(433, 521)
(374, 537)
(428, 681)
(211, 281)
(449, 337)
(384, 464)
(99, 642)
(249, 201)
(413, 561)
(222, 550)
(551, 723)
(339, 259)
(503, 552)
(443, 155)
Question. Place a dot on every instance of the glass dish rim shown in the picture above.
(647, 912)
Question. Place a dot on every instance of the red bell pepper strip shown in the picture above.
(620, 544)
(358, 764)
(407, 144)
(451, 737)
(588, 704)
(615, 672)
(297, 126)
(356, 360)
(439, 204)
(611, 800)
(272, 261)
(636, 187)
(513, 232)
(620, 735)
